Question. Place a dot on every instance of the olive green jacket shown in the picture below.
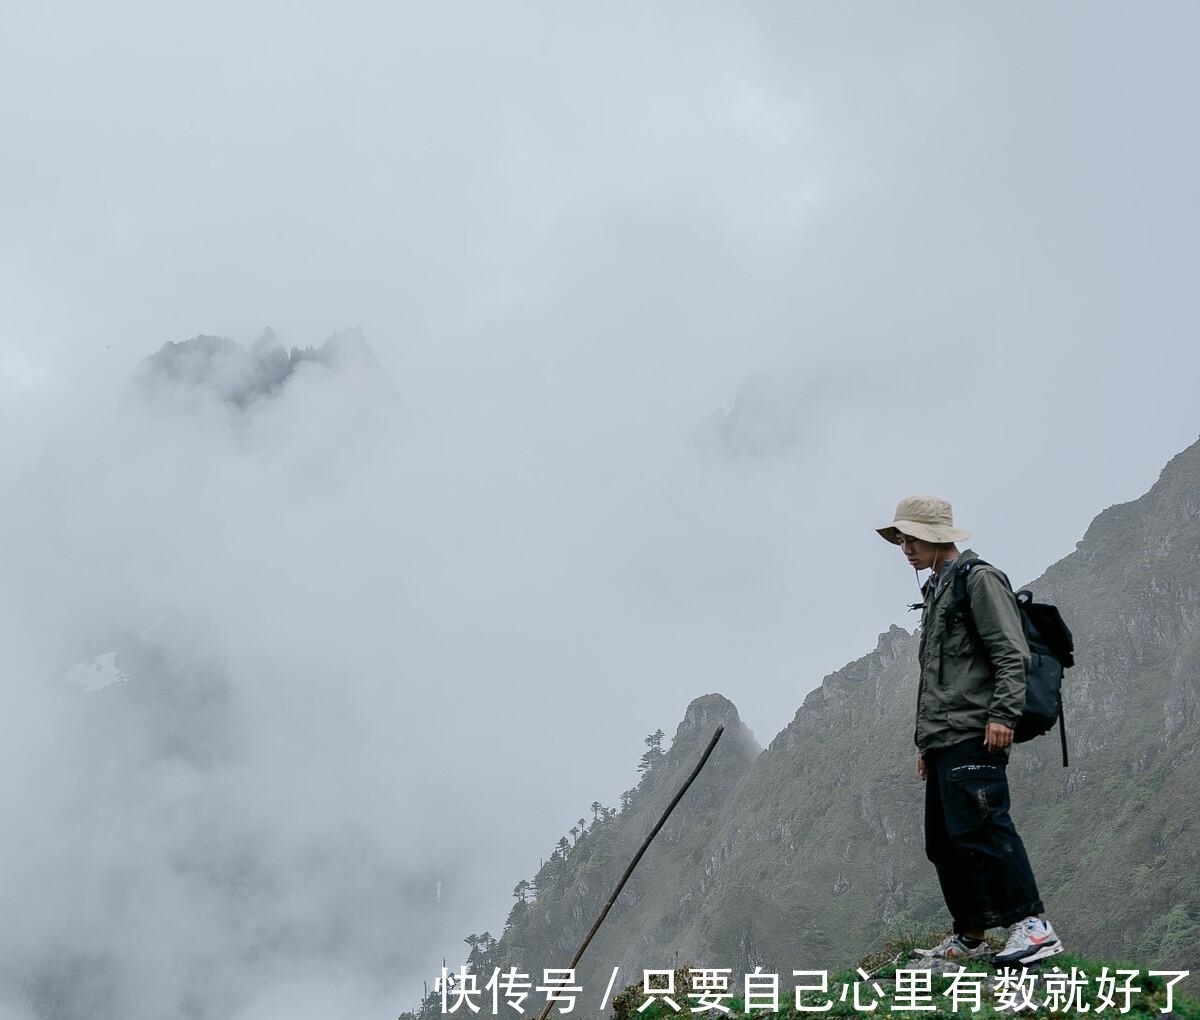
(969, 677)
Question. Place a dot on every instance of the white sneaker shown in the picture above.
(1031, 939)
(952, 947)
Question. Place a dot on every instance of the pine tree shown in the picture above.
(654, 754)
(475, 956)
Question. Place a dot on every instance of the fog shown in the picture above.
(668, 306)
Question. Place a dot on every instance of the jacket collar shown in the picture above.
(939, 582)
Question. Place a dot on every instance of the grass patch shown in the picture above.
(894, 983)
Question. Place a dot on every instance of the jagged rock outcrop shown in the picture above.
(240, 376)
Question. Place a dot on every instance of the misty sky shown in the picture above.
(679, 299)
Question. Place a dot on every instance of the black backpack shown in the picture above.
(1051, 648)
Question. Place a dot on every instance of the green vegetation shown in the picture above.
(896, 984)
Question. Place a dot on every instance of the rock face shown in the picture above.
(810, 853)
(240, 376)
(666, 895)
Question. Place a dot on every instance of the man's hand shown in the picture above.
(920, 765)
(997, 737)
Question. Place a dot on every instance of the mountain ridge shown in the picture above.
(815, 855)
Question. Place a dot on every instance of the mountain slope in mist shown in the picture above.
(813, 855)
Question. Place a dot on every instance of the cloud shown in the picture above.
(422, 635)
(237, 803)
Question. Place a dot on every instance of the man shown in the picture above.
(970, 694)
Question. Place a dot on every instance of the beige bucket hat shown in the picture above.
(924, 517)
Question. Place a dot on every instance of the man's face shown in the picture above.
(918, 552)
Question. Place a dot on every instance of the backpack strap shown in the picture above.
(960, 605)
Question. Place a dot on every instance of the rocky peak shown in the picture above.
(703, 715)
(240, 375)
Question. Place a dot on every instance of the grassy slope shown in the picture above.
(1064, 985)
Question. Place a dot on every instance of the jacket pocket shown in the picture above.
(957, 640)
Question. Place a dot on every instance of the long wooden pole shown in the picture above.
(637, 857)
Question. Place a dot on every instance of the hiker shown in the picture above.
(970, 693)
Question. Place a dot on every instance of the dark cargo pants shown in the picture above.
(981, 862)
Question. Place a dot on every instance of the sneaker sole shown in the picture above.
(1051, 950)
(1031, 953)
